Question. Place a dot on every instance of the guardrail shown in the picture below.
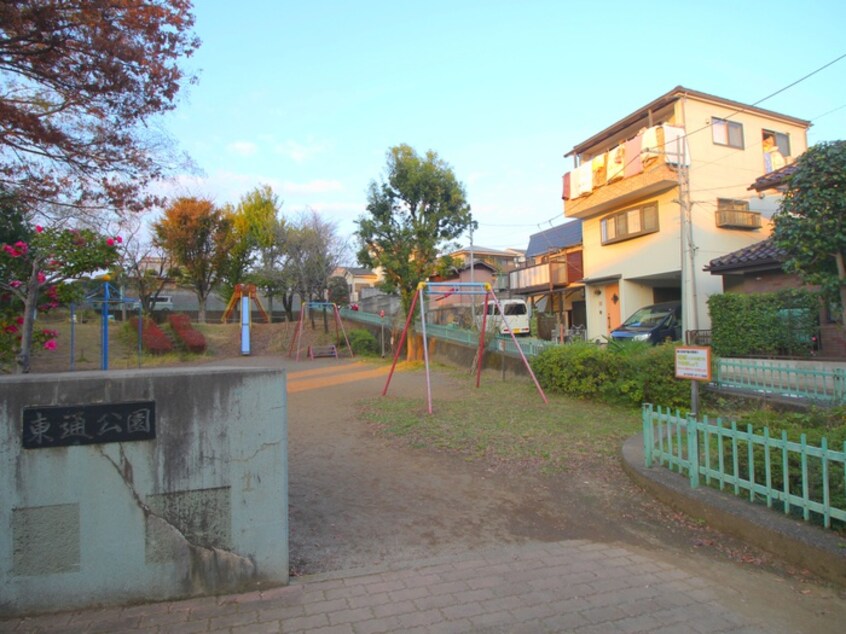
(773, 378)
(499, 343)
(775, 470)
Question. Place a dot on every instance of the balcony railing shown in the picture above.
(539, 276)
(738, 219)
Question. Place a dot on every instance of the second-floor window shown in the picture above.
(726, 132)
(630, 223)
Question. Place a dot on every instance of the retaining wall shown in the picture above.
(181, 491)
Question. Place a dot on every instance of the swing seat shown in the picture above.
(315, 352)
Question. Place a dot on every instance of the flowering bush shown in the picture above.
(31, 270)
(190, 337)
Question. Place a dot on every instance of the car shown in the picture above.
(163, 303)
(655, 324)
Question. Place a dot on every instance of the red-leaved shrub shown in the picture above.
(192, 339)
(153, 339)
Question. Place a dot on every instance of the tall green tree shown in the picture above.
(811, 223)
(412, 215)
(197, 235)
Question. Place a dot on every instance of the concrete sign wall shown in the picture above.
(146, 485)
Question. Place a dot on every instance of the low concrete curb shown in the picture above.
(798, 543)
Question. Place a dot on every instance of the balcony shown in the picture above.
(539, 277)
(655, 179)
(738, 219)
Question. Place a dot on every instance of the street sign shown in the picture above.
(693, 362)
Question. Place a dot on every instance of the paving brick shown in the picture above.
(324, 607)
(346, 592)
(369, 600)
(280, 613)
(421, 618)
(188, 627)
(408, 594)
(394, 609)
(463, 610)
(435, 601)
(305, 623)
(345, 628)
(566, 622)
(350, 615)
(378, 626)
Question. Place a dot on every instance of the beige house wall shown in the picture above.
(642, 263)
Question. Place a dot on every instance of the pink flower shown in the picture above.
(41, 277)
(11, 328)
(110, 242)
(118, 239)
(50, 345)
(38, 228)
(15, 283)
(22, 246)
(19, 321)
(8, 248)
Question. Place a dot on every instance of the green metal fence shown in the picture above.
(794, 475)
(823, 385)
(503, 344)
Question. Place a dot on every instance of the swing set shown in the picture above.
(312, 350)
(444, 289)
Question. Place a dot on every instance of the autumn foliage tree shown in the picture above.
(197, 236)
(80, 81)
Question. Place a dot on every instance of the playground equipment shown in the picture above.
(243, 291)
(443, 289)
(108, 299)
(314, 351)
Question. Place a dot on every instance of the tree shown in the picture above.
(339, 290)
(145, 266)
(412, 216)
(811, 223)
(198, 238)
(31, 272)
(313, 252)
(80, 81)
(256, 248)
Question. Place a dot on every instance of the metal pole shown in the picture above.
(72, 333)
(104, 329)
(402, 337)
(425, 351)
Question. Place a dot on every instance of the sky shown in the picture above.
(309, 96)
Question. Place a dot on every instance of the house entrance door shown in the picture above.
(612, 306)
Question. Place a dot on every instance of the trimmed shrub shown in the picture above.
(764, 324)
(363, 343)
(191, 338)
(630, 373)
(153, 340)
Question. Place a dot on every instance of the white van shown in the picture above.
(517, 317)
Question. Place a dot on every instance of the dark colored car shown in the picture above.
(656, 323)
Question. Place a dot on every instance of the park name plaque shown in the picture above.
(70, 425)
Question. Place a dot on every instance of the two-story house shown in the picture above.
(551, 278)
(499, 261)
(663, 191)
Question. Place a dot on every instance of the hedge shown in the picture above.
(188, 336)
(153, 340)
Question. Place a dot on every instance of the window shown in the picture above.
(727, 132)
(630, 223)
(778, 140)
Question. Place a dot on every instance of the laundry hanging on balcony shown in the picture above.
(675, 144)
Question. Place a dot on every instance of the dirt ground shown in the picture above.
(359, 500)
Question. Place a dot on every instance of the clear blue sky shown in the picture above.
(308, 96)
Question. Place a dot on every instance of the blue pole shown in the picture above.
(104, 331)
(245, 325)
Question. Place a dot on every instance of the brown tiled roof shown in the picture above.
(773, 179)
(761, 256)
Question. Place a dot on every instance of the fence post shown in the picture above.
(693, 451)
(647, 434)
(839, 386)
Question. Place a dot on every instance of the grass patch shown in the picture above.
(507, 425)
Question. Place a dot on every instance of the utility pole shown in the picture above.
(472, 279)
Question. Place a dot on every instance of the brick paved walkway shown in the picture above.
(572, 586)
